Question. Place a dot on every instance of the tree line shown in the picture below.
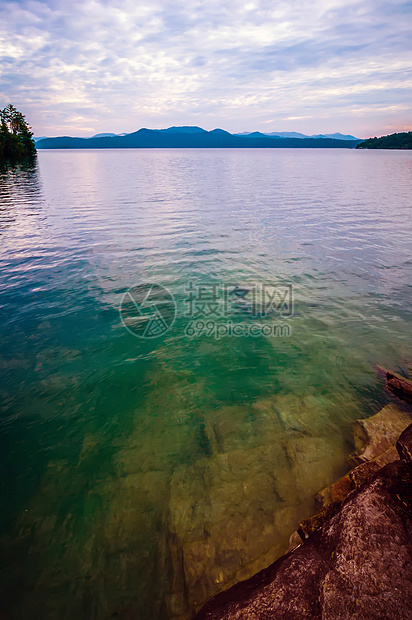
(401, 141)
(16, 137)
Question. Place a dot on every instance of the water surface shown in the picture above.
(138, 476)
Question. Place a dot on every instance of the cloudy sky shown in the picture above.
(83, 67)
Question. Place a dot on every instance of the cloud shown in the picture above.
(99, 65)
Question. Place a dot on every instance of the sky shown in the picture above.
(321, 66)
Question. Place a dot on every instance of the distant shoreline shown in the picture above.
(150, 138)
(394, 142)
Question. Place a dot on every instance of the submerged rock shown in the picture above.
(314, 462)
(231, 513)
(374, 435)
(400, 386)
(356, 565)
(226, 520)
(335, 492)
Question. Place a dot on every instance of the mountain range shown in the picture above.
(196, 137)
(294, 134)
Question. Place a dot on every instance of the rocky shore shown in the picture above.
(169, 533)
(353, 558)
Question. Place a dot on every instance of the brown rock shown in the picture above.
(363, 472)
(399, 386)
(374, 435)
(294, 541)
(356, 565)
(335, 492)
(389, 456)
(338, 491)
(308, 526)
(404, 445)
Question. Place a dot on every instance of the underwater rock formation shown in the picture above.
(357, 564)
(400, 386)
(231, 513)
(377, 434)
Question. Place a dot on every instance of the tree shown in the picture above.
(16, 137)
(394, 141)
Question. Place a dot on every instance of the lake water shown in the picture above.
(139, 475)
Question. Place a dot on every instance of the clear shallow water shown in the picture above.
(140, 477)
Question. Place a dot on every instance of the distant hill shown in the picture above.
(256, 134)
(287, 134)
(105, 135)
(184, 129)
(295, 134)
(336, 136)
(402, 141)
(189, 137)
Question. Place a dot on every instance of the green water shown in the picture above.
(140, 476)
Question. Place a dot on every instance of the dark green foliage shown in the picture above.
(16, 139)
(394, 141)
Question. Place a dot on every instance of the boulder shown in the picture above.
(335, 492)
(390, 455)
(374, 435)
(400, 386)
(404, 445)
(308, 526)
(294, 541)
(363, 472)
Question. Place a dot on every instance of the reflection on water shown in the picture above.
(19, 187)
(140, 477)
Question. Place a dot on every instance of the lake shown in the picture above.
(159, 445)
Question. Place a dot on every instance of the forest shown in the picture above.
(16, 137)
